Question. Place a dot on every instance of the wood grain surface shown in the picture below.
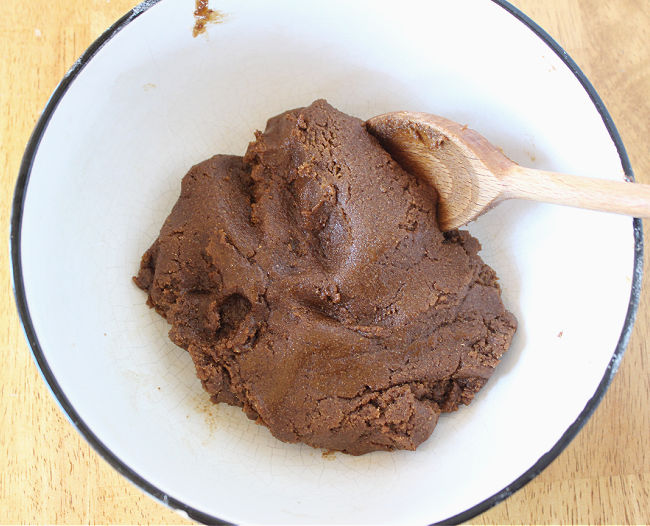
(48, 474)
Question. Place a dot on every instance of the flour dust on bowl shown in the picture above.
(147, 101)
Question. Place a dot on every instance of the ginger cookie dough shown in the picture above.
(312, 287)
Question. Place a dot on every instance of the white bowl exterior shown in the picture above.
(154, 101)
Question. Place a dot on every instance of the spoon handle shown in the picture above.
(631, 199)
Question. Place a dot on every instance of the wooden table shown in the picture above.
(48, 474)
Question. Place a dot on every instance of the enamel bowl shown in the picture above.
(148, 100)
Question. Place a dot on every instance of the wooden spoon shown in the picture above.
(471, 175)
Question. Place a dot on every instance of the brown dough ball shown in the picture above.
(312, 287)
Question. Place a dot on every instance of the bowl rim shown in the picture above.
(195, 514)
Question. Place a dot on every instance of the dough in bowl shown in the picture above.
(311, 285)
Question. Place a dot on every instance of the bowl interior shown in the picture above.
(153, 101)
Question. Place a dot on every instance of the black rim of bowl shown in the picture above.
(121, 467)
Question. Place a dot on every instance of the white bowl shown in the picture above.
(147, 101)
